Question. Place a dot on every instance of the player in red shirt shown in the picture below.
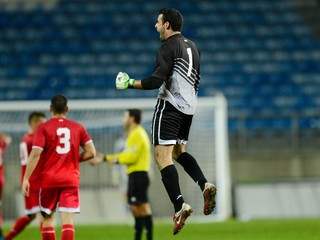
(56, 147)
(5, 140)
(31, 202)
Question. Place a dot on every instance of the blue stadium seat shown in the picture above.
(260, 54)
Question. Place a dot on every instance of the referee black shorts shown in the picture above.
(138, 184)
(169, 125)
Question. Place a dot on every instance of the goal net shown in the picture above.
(103, 187)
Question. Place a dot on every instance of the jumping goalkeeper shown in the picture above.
(177, 75)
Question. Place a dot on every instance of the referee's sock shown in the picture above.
(148, 224)
(170, 179)
(138, 227)
(190, 165)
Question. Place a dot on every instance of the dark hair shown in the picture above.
(34, 115)
(59, 103)
(136, 114)
(172, 16)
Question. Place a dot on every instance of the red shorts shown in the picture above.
(32, 202)
(66, 197)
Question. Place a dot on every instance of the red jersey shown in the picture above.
(60, 139)
(3, 145)
(25, 149)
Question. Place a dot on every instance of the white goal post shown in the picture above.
(103, 187)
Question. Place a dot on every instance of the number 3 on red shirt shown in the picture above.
(64, 136)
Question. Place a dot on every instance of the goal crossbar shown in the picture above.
(208, 139)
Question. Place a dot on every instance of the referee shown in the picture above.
(177, 75)
(137, 156)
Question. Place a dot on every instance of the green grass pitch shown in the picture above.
(307, 229)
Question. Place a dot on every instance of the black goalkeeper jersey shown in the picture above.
(178, 64)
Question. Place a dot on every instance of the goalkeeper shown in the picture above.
(137, 156)
(177, 75)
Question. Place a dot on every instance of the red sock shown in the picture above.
(67, 232)
(19, 225)
(48, 233)
(40, 225)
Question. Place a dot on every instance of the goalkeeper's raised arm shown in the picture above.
(123, 81)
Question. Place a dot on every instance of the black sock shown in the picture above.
(170, 179)
(149, 226)
(190, 165)
(138, 227)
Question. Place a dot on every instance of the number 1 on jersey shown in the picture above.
(190, 61)
(64, 137)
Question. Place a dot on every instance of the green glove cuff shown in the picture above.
(131, 83)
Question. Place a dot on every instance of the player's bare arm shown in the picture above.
(97, 159)
(111, 160)
(102, 157)
(89, 152)
(5, 138)
(32, 163)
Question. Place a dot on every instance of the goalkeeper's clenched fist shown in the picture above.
(123, 81)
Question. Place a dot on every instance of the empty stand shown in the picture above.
(260, 54)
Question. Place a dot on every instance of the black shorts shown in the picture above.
(138, 184)
(169, 125)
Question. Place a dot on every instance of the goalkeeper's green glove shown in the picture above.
(123, 81)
